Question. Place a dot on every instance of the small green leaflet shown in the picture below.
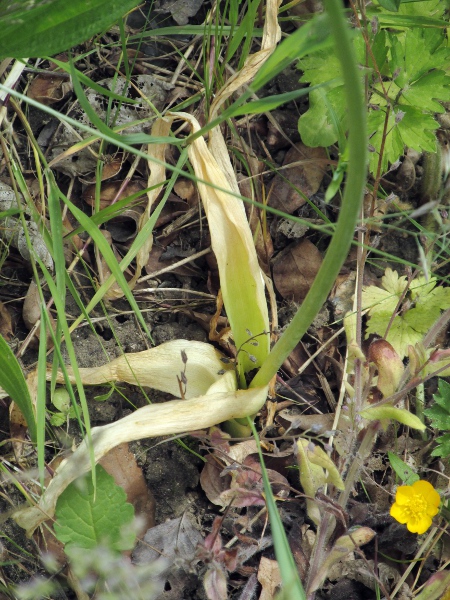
(405, 473)
(85, 521)
(419, 311)
(439, 415)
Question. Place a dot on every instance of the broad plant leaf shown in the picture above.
(12, 380)
(86, 518)
(419, 311)
(51, 26)
(413, 64)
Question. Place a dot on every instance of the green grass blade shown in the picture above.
(240, 37)
(41, 404)
(92, 84)
(111, 261)
(351, 202)
(392, 20)
(188, 30)
(271, 102)
(12, 380)
(293, 587)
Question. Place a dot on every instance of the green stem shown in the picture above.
(351, 202)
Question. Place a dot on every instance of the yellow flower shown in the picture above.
(416, 505)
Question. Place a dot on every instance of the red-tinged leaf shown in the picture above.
(215, 583)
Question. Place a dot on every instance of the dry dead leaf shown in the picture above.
(121, 463)
(109, 192)
(342, 294)
(295, 269)
(269, 577)
(161, 127)
(49, 89)
(160, 258)
(170, 545)
(186, 190)
(31, 311)
(305, 173)
(179, 9)
(5, 322)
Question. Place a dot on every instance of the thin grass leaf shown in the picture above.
(353, 194)
(186, 30)
(242, 34)
(391, 20)
(92, 84)
(12, 380)
(293, 588)
(108, 255)
(41, 404)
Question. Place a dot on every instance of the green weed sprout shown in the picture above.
(407, 81)
(403, 312)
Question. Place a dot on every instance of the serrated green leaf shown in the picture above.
(413, 54)
(86, 522)
(319, 125)
(417, 58)
(417, 129)
(431, 8)
(393, 145)
(396, 414)
(443, 448)
(384, 300)
(439, 417)
(443, 398)
(46, 27)
(320, 66)
(12, 380)
(424, 92)
(401, 335)
(411, 325)
(404, 472)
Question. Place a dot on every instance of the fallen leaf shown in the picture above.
(186, 190)
(295, 269)
(31, 311)
(121, 463)
(5, 322)
(49, 89)
(169, 546)
(269, 577)
(303, 168)
(109, 192)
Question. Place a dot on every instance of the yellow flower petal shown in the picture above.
(419, 526)
(398, 513)
(428, 492)
(404, 494)
(415, 505)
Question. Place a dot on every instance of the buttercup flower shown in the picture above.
(416, 505)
